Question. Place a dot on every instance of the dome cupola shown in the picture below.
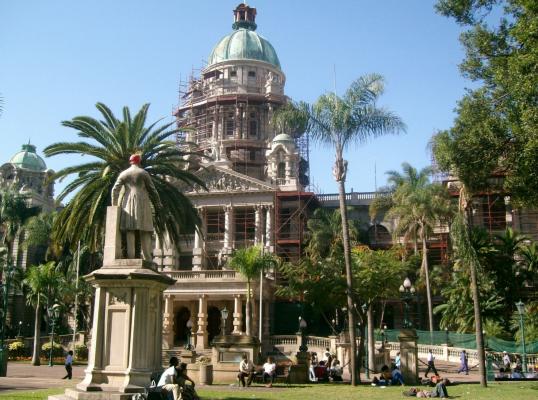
(28, 159)
(244, 43)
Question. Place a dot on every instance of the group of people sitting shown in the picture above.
(392, 376)
(248, 371)
(325, 370)
(174, 380)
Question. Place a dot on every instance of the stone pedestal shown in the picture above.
(299, 370)
(126, 339)
(409, 355)
(227, 353)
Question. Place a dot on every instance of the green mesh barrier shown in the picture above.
(463, 340)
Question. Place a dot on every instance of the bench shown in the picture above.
(282, 375)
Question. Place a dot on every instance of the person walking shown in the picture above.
(431, 364)
(464, 363)
(69, 365)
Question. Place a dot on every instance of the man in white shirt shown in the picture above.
(431, 364)
(269, 371)
(507, 363)
(168, 380)
(246, 369)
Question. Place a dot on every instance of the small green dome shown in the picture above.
(27, 158)
(283, 138)
(244, 44)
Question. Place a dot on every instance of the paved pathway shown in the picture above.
(23, 376)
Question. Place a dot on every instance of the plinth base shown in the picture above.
(73, 394)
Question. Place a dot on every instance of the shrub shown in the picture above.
(57, 350)
(81, 352)
(16, 350)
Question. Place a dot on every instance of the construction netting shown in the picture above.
(462, 340)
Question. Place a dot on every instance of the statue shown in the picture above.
(136, 215)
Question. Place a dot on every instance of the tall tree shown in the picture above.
(250, 262)
(46, 285)
(111, 143)
(340, 122)
(418, 206)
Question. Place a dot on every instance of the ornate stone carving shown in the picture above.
(219, 181)
(117, 297)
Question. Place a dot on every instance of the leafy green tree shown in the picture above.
(418, 205)
(250, 262)
(530, 319)
(111, 142)
(339, 122)
(45, 285)
(499, 118)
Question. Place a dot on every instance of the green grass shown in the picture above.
(495, 391)
(42, 394)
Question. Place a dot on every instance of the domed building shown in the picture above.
(256, 179)
(27, 173)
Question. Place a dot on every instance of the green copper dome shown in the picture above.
(244, 44)
(283, 138)
(28, 159)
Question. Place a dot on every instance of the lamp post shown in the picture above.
(302, 327)
(521, 310)
(224, 316)
(53, 313)
(407, 291)
(366, 364)
(188, 346)
(20, 327)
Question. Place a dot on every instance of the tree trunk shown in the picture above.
(361, 350)
(37, 325)
(371, 339)
(467, 220)
(248, 321)
(426, 269)
(340, 173)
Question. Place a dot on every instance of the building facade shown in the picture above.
(256, 180)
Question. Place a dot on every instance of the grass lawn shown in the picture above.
(495, 391)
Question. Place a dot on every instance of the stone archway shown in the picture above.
(213, 323)
(180, 326)
(379, 237)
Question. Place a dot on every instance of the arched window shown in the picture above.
(281, 170)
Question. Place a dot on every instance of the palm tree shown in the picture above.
(340, 122)
(45, 286)
(250, 262)
(14, 213)
(112, 142)
(418, 206)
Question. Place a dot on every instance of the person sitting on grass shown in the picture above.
(385, 378)
(397, 377)
(246, 369)
(187, 391)
(336, 371)
(269, 372)
(169, 379)
(321, 372)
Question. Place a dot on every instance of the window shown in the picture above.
(252, 155)
(229, 125)
(253, 127)
(252, 74)
(281, 170)
(233, 74)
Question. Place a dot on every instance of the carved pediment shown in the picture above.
(225, 180)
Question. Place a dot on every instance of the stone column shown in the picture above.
(258, 225)
(237, 315)
(228, 227)
(201, 334)
(409, 355)
(269, 228)
(197, 251)
(168, 322)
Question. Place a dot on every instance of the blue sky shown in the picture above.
(59, 57)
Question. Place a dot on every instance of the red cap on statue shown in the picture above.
(134, 159)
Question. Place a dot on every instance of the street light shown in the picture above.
(521, 310)
(366, 363)
(302, 326)
(407, 291)
(189, 335)
(20, 326)
(53, 313)
(224, 316)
